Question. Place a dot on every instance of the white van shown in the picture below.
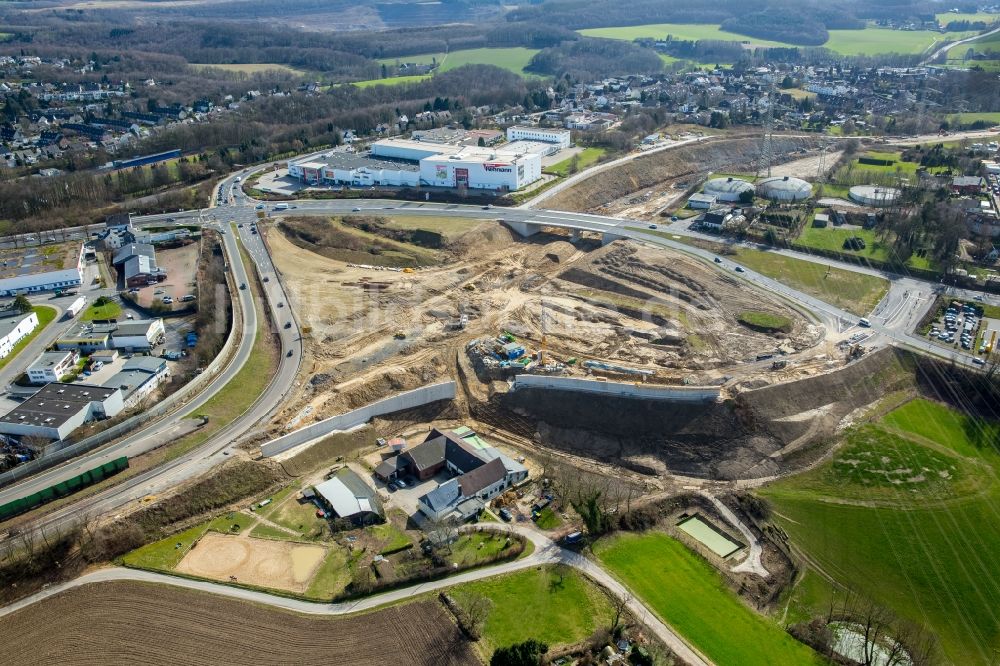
(865, 323)
(281, 206)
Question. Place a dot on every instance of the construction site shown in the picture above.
(488, 306)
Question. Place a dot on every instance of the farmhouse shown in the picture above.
(349, 497)
(480, 472)
(967, 184)
(33, 269)
(56, 410)
(14, 327)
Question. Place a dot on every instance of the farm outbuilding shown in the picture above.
(785, 189)
(729, 190)
(876, 197)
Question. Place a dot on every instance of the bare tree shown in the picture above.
(619, 605)
(477, 610)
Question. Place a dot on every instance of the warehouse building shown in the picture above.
(138, 378)
(33, 269)
(561, 137)
(407, 163)
(87, 337)
(56, 410)
(137, 264)
(138, 334)
(51, 366)
(14, 327)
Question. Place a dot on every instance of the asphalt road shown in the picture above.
(212, 452)
(546, 552)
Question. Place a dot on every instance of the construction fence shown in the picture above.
(397, 403)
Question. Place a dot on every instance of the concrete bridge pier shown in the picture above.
(575, 236)
(524, 229)
(607, 238)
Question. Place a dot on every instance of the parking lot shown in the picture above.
(960, 326)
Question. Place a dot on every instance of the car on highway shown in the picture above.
(259, 207)
(652, 226)
(718, 261)
(673, 218)
(243, 285)
(281, 304)
(290, 352)
(739, 269)
(356, 210)
(267, 279)
(288, 324)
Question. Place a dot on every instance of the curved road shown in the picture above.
(546, 552)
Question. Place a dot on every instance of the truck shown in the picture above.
(76, 307)
(281, 206)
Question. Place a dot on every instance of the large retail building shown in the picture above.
(406, 163)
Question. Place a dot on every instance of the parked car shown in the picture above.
(505, 515)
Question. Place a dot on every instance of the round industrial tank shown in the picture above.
(727, 189)
(876, 197)
(785, 189)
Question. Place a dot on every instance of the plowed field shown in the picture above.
(136, 623)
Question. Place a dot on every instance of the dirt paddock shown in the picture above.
(278, 564)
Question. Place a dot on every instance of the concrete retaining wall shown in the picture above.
(622, 389)
(396, 403)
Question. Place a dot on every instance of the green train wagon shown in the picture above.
(63, 488)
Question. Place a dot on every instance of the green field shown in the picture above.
(46, 316)
(554, 605)
(947, 17)
(514, 58)
(854, 292)
(832, 238)
(692, 597)
(870, 41)
(585, 158)
(969, 118)
(765, 320)
(986, 43)
(926, 554)
(391, 81)
(875, 41)
(447, 226)
(683, 31)
(107, 311)
(423, 59)
(251, 68)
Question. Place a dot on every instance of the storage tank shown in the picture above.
(871, 195)
(785, 188)
(727, 189)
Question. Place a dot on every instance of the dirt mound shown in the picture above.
(813, 407)
(701, 440)
(745, 438)
(694, 160)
